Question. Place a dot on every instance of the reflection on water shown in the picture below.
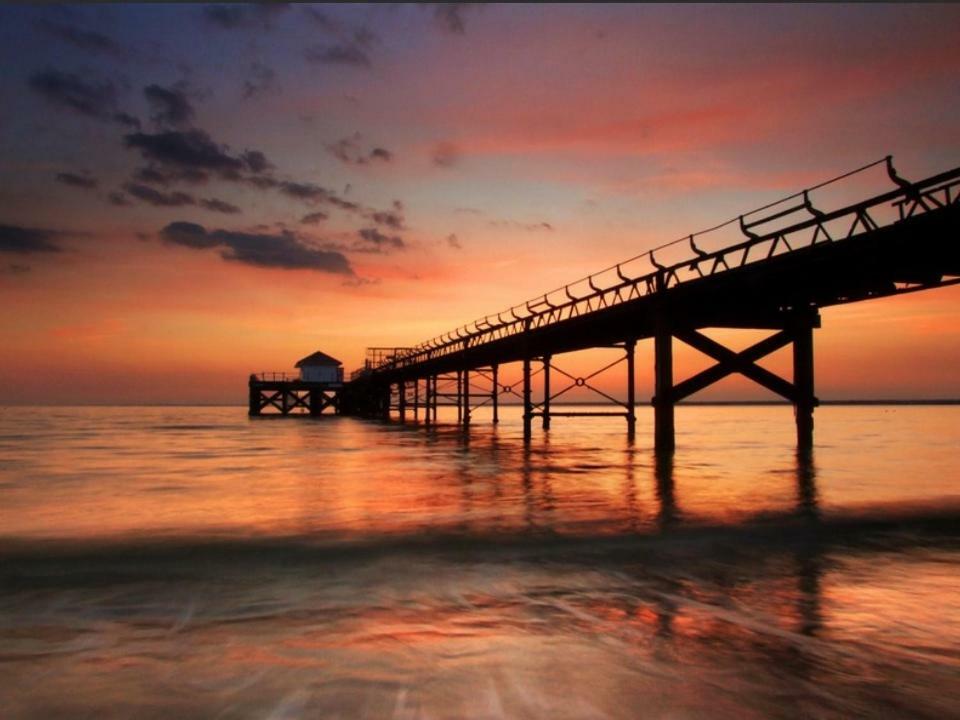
(190, 562)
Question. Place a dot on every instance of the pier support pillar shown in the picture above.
(435, 381)
(496, 394)
(663, 390)
(459, 397)
(254, 398)
(466, 398)
(546, 392)
(631, 347)
(402, 400)
(803, 383)
(416, 398)
(527, 404)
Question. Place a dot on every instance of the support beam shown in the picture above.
(527, 404)
(459, 397)
(496, 394)
(631, 347)
(402, 400)
(466, 398)
(435, 381)
(254, 398)
(805, 400)
(546, 392)
(729, 362)
(416, 398)
(663, 390)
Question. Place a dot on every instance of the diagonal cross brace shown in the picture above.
(729, 362)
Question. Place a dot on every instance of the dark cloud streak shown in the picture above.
(29, 241)
(73, 180)
(283, 251)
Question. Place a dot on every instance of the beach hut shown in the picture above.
(320, 367)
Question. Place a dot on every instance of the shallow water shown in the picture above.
(191, 562)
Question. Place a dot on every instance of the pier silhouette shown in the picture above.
(791, 259)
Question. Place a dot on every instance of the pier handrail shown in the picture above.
(908, 198)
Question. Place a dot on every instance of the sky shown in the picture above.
(192, 193)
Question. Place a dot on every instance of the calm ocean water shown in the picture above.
(193, 563)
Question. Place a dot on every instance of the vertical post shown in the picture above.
(527, 405)
(496, 394)
(466, 397)
(402, 400)
(285, 400)
(803, 382)
(426, 400)
(254, 406)
(435, 380)
(459, 397)
(416, 398)
(315, 401)
(546, 392)
(631, 346)
(663, 390)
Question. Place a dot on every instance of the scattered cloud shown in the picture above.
(220, 206)
(85, 182)
(236, 17)
(338, 55)
(118, 199)
(314, 218)
(392, 219)
(529, 227)
(380, 241)
(446, 154)
(256, 161)
(170, 106)
(350, 151)
(92, 99)
(450, 16)
(260, 79)
(283, 250)
(454, 242)
(191, 150)
(351, 48)
(87, 40)
(157, 198)
(28, 241)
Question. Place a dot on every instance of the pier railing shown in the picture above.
(646, 273)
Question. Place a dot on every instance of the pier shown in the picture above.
(792, 259)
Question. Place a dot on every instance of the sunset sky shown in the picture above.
(191, 193)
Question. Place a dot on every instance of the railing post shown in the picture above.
(496, 394)
(546, 392)
(527, 405)
(631, 346)
(664, 441)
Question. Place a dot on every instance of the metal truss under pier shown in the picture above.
(277, 394)
(791, 259)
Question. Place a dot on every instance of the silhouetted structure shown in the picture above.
(316, 391)
(896, 242)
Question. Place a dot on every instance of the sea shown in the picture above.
(192, 562)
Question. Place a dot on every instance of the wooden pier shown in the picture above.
(282, 394)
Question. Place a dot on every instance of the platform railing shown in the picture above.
(644, 274)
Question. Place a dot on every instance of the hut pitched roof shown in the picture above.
(318, 358)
